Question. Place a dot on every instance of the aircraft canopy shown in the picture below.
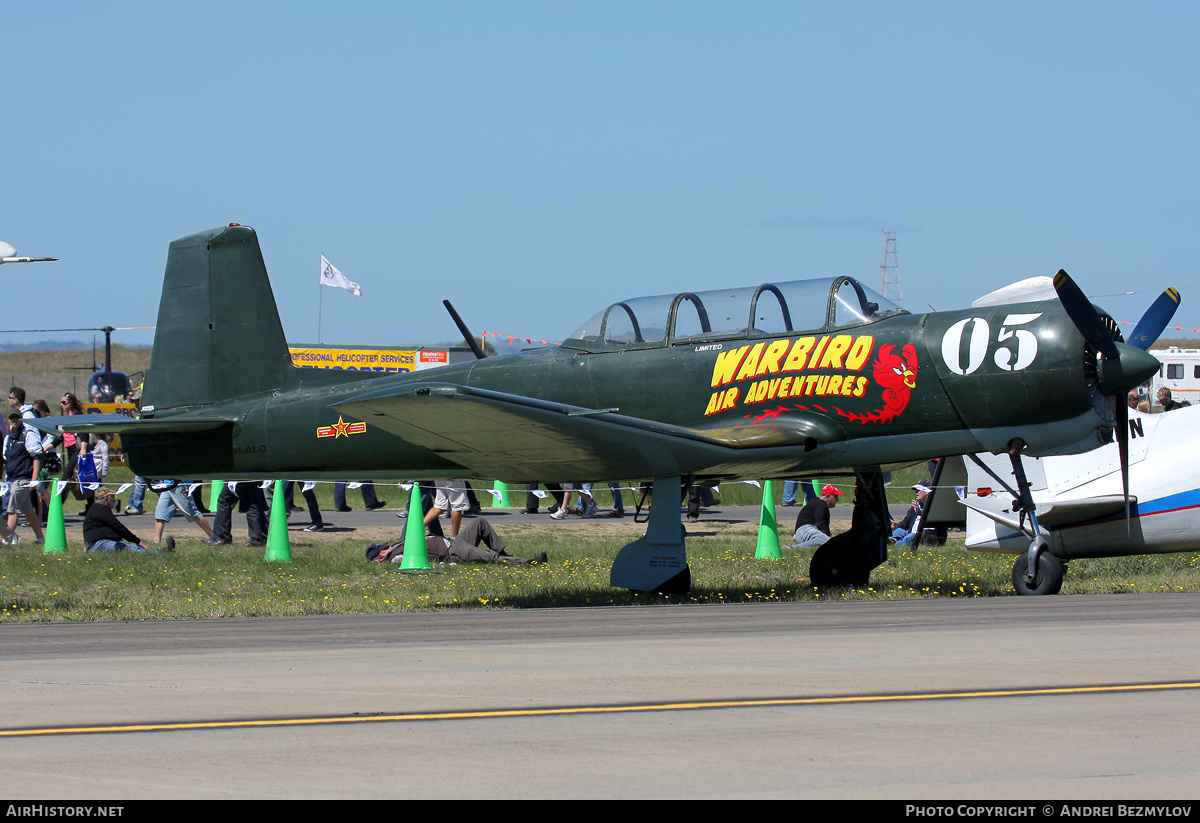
(769, 309)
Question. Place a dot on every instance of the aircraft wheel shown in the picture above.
(1049, 578)
(833, 567)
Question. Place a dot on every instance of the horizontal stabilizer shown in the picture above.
(120, 424)
(499, 434)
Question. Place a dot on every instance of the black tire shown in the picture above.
(1049, 578)
(833, 566)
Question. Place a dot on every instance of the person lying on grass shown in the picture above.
(462, 549)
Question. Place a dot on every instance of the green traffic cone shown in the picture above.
(56, 528)
(416, 553)
(214, 491)
(502, 501)
(768, 527)
(279, 548)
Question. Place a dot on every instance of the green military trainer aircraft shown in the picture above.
(782, 380)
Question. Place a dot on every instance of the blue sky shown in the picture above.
(535, 161)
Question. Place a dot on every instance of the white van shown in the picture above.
(1179, 372)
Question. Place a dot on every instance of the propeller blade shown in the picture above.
(1084, 315)
(1155, 320)
(1123, 450)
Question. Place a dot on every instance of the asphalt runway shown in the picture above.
(1023, 698)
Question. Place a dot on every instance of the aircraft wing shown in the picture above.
(1069, 512)
(507, 435)
(1060, 513)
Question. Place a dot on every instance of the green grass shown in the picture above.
(330, 576)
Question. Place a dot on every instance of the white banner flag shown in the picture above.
(330, 276)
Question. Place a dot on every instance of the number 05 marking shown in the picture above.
(1016, 348)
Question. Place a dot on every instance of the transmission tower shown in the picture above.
(889, 271)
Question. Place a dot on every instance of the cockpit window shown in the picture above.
(641, 320)
(851, 306)
(769, 309)
(691, 317)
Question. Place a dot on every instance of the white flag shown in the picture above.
(330, 276)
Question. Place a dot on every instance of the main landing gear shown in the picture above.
(658, 561)
(847, 559)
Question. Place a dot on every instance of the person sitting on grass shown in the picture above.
(462, 549)
(102, 532)
(904, 531)
(812, 526)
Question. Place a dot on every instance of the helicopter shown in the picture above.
(106, 384)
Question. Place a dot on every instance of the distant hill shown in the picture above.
(1181, 342)
(46, 345)
(47, 373)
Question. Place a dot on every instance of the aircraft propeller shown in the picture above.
(1123, 366)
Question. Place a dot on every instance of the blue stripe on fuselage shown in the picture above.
(1179, 501)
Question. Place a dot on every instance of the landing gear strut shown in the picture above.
(658, 561)
(847, 559)
(1037, 571)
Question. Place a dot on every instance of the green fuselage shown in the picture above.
(896, 390)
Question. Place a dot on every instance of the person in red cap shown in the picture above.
(812, 526)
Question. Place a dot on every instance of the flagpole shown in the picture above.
(336, 278)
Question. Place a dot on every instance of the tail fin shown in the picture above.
(219, 335)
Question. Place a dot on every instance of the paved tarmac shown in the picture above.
(1019, 698)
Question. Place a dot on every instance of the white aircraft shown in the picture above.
(9, 255)
(1079, 507)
